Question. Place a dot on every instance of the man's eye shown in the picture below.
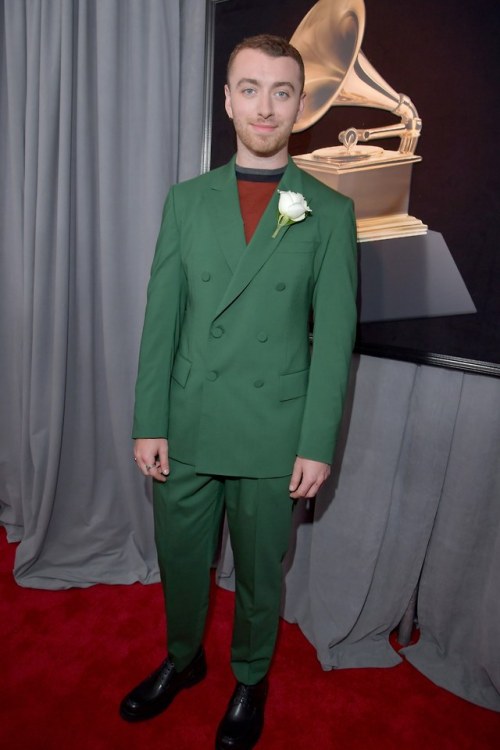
(248, 92)
(282, 94)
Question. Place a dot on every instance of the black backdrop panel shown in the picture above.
(444, 56)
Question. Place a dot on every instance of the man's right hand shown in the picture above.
(151, 456)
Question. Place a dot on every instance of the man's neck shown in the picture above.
(245, 158)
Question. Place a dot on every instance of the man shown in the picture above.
(233, 411)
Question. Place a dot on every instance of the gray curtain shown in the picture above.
(414, 494)
(100, 111)
(459, 593)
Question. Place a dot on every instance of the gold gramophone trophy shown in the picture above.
(338, 74)
(407, 271)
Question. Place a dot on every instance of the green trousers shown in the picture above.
(188, 509)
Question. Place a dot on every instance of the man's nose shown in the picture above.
(266, 108)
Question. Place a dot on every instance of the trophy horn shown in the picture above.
(337, 73)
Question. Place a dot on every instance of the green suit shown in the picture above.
(226, 371)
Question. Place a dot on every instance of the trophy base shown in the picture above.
(377, 180)
(389, 227)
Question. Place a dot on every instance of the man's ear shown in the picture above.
(227, 102)
(301, 106)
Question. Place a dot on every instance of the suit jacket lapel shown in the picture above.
(224, 209)
(262, 244)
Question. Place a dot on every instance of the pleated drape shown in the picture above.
(101, 110)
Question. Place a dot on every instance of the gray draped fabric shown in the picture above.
(100, 111)
(415, 490)
(459, 599)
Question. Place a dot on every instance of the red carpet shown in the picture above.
(69, 656)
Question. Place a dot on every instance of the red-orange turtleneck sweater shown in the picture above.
(255, 189)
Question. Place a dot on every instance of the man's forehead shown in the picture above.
(252, 64)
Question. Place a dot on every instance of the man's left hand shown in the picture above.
(307, 478)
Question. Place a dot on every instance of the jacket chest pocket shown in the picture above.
(294, 262)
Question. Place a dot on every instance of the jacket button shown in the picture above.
(280, 287)
(217, 332)
(212, 375)
(262, 337)
(205, 276)
(258, 383)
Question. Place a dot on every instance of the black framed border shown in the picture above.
(444, 56)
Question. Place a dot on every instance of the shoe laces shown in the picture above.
(166, 668)
(244, 693)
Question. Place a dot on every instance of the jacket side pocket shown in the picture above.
(293, 384)
(181, 370)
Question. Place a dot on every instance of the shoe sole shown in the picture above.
(246, 744)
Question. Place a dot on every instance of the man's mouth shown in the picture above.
(263, 127)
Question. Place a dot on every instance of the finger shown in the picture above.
(308, 488)
(164, 466)
(146, 462)
(311, 488)
(312, 491)
(157, 474)
(301, 492)
(295, 478)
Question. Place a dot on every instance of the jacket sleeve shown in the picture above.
(334, 332)
(164, 312)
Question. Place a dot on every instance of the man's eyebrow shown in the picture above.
(280, 84)
(255, 82)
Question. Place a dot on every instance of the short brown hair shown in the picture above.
(274, 46)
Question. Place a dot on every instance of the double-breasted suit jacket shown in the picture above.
(226, 370)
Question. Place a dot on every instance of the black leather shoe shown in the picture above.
(242, 724)
(156, 692)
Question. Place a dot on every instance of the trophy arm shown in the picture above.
(408, 129)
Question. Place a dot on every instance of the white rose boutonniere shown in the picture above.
(292, 207)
